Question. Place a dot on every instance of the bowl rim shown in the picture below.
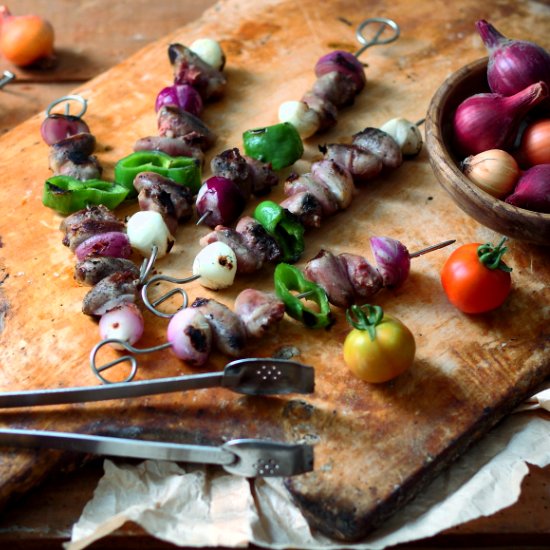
(438, 149)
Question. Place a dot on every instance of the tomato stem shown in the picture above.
(365, 317)
(491, 256)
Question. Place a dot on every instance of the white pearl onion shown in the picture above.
(216, 264)
(406, 134)
(146, 229)
(305, 120)
(124, 323)
(209, 51)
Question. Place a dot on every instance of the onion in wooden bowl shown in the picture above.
(494, 213)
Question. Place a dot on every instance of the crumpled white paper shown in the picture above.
(197, 506)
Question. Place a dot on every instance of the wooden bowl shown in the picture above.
(496, 214)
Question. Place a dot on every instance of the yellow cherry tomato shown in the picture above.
(380, 347)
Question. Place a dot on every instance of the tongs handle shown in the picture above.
(249, 376)
(245, 457)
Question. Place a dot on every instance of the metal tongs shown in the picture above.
(245, 457)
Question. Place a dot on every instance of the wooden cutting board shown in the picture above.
(376, 446)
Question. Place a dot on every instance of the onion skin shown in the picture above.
(495, 171)
(491, 121)
(25, 39)
(535, 144)
(532, 191)
(222, 201)
(183, 96)
(393, 259)
(112, 243)
(56, 127)
(345, 63)
(513, 64)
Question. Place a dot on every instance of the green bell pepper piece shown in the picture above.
(66, 194)
(287, 278)
(279, 144)
(182, 170)
(284, 227)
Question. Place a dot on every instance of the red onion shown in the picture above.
(533, 189)
(56, 127)
(112, 243)
(513, 64)
(491, 121)
(393, 260)
(345, 63)
(183, 96)
(220, 201)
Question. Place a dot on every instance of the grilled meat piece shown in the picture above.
(327, 111)
(336, 87)
(336, 180)
(174, 202)
(259, 311)
(305, 183)
(364, 277)
(232, 165)
(306, 207)
(173, 146)
(190, 69)
(258, 239)
(381, 144)
(91, 270)
(72, 156)
(329, 272)
(361, 164)
(248, 261)
(228, 332)
(90, 221)
(172, 122)
(262, 175)
(112, 291)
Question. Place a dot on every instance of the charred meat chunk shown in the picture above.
(306, 207)
(91, 270)
(88, 222)
(173, 146)
(172, 122)
(228, 331)
(190, 69)
(361, 164)
(381, 144)
(112, 291)
(258, 239)
(174, 202)
(259, 311)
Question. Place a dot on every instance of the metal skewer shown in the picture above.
(375, 41)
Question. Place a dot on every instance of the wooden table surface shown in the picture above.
(91, 37)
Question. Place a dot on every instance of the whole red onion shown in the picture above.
(220, 201)
(56, 127)
(491, 121)
(513, 64)
(183, 96)
(112, 243)
(532, 191)
(393, 259)
(345, 63)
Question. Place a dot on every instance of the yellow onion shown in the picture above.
(495, 171)
(535, 143)
(25, 39)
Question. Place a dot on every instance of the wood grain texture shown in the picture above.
(375, 446)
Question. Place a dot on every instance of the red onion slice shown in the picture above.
(113, 243)
(393, 260)
(183, 96)
(345, 63)
(56, 127)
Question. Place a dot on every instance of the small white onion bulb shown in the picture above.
(124, 322)
(209, 51)
(216, 264)
(305, 120)
(406, 134)
(495, 171)
(146, 229)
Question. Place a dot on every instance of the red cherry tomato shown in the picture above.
(475, 279)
